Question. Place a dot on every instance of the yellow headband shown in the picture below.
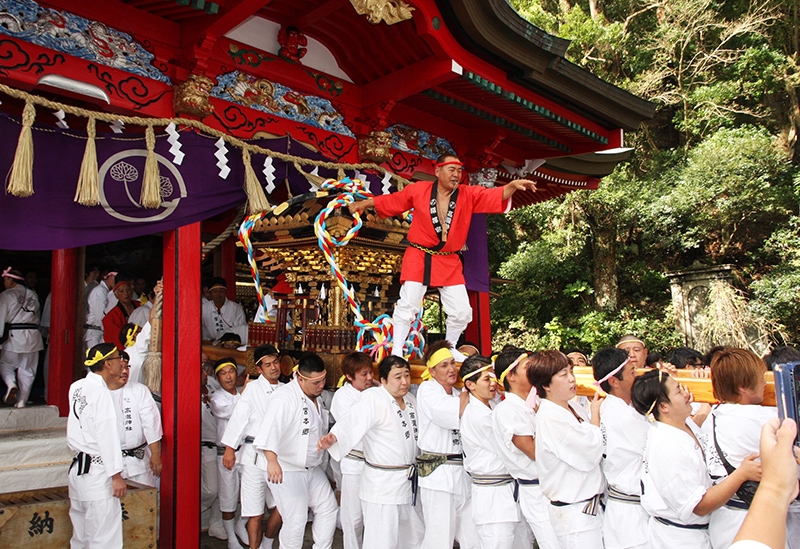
(442, 354)
(215, 286)
(649, 415)
(97, 357)
(322, 375)
(130, 336)
(511, 366)
(478, 371)
(224, 364)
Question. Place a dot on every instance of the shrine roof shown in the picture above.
(507, 75)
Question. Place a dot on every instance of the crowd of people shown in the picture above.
(512, 457)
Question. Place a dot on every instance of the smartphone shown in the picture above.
(787, 386)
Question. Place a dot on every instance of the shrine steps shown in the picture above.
(33, 448)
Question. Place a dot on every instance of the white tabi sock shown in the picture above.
(266, 543)
(230, 529)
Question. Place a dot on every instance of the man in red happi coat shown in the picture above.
(442, 213)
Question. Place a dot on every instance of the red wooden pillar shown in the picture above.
(228, 265)
(479, 331)
(64, 335)
(180, 389)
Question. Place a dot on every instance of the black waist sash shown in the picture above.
(684, 526)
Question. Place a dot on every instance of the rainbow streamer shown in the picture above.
(373, 337)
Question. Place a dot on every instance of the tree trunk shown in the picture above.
(604, 248)
(595, 11)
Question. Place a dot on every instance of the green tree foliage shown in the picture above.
(712, 177)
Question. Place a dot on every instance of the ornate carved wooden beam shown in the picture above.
(122, 17)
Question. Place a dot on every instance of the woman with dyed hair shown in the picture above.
(677, 490)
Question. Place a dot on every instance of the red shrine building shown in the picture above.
(265, 96)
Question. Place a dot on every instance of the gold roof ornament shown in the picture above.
(389, 11)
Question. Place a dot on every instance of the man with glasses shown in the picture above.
(95, 476)
(140, 428)
(242, 428)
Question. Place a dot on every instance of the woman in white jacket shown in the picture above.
(677, 490)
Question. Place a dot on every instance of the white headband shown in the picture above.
(7, 273)
(612, 373)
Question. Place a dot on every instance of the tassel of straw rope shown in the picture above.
(151, 184)
(315, 180)
(88, 191)
(151, 368)
(255, 194)
(20, 182)
(208, 130)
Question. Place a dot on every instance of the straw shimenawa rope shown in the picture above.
(88, 191)
(21, 179)
(151, 182)
(20, 182)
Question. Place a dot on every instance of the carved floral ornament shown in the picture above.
(389, 11)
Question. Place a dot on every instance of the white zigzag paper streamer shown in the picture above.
(315, 171)
(60, 116)
(269, 174)
(174, 139)
(361, 176)
(222, 158)
(386, 183)
(117, 126)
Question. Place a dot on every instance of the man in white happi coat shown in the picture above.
(384, 421)
(514, 434)
(19, 322)
(624, 435)
(445, 492)
(96, 303)
(241, 431)
(223, 403)
(357, 377)
(494, 507)
(95, 476)
(209, 482)
(295, 421)
(140, 429)
(220, 315)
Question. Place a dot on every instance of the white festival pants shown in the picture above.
(392, 526)
(96, 524)
(535, 508)
(351, 513)
(299, 492)
(448, 517)
(25, 365)
(454, 299)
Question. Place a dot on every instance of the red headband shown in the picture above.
(455, 162)
(118, 284)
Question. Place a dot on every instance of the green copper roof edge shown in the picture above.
(500, 121)
(527, 104)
